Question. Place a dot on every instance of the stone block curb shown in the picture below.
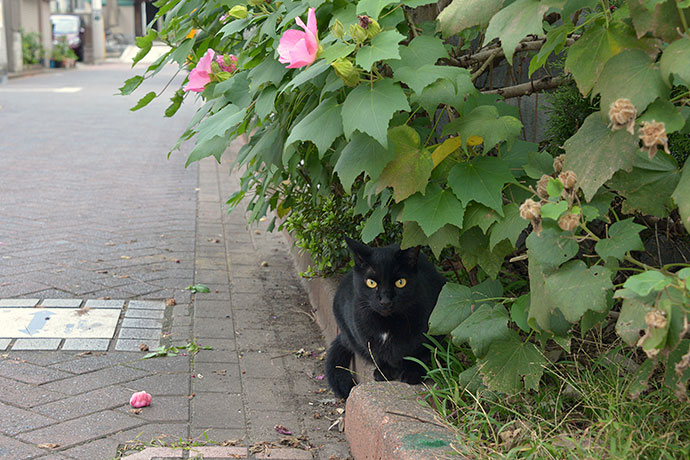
(384, 420)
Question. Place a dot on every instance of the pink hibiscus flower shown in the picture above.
(297, 48)
(200, 76)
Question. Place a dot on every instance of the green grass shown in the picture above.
(582, 411)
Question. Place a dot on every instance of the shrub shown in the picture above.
(32, 50)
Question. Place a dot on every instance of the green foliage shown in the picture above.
(387, 134)
(32, 49)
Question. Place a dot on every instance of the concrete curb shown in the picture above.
(383, 420)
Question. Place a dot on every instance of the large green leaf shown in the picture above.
(542, 314)
(509, 227)
(575, 289)
(417, 78)
(457, 302)
(511, 365)
(322, 126)
(478, 215)
(214, 146)
(422, 50)
(463, 14)
(681, 196)
(623, 237)
(369, 109)
(481, 179)
(219, 123)
(516, 21)
(631, 75)
(649, 186)
(663, 20)
(382, 46)
(436, 208)
(486, 325)
(595, 153)
(552, 247)
(362, 154)
(675, 62)
(485, 121)
(409, 172)
(373, 7)
(588, 55)
(631, 320)
(374, 224)
(413, 235)
(473, 248)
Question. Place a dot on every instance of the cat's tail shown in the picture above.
(338, 361)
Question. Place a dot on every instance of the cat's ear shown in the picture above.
(360, 251)
(411, 256)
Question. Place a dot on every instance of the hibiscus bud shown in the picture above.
(656, 319)
(358, 33)
(622, 114)
(337, 29)
(568, 179)
(238, 12)
(370, 25)
(541, 186)
(569, 221)
(530, 210)
(652, 134)
(347, 71)
(558, 163)
(256, 2)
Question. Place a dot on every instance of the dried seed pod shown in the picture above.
(541, 186)
(653, 133)
(530, 210)
(568, 179)
(558, 163)
(622, 114)
(569, 221)
(656, 319)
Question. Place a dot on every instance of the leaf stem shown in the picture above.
(683, 20)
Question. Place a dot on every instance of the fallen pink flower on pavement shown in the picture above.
(140, 399)
(200, 76)
(297, 48)
(282, 430)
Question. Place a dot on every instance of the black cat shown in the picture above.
(382, 308)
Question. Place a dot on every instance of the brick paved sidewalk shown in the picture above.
(140, 247)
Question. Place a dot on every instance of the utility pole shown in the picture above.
(97, 31)
(3, 47)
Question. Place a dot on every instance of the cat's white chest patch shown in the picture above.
(384, 337)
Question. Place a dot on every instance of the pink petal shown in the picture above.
(204, 63)
(287, 42)
(311, 22)
(300, 56)
(197, 81)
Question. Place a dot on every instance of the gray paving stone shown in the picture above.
(11, 449)
(147, 304)
(58, 303)
(110, 397)
(164, 409)
(36, 344)
(4, 343)
(137, 333)
(135, 344)
(99, 303)
(81, 429)
(142, 323)
(98, 379)
(86, 344)
(218, 410)
(25, 303)
(14, 420)
(150, 314)
(163, 384)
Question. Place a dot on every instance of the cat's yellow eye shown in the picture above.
(401, 283)
(371, 283)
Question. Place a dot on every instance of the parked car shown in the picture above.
(69, 28)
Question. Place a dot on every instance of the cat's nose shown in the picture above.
(386, 303)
